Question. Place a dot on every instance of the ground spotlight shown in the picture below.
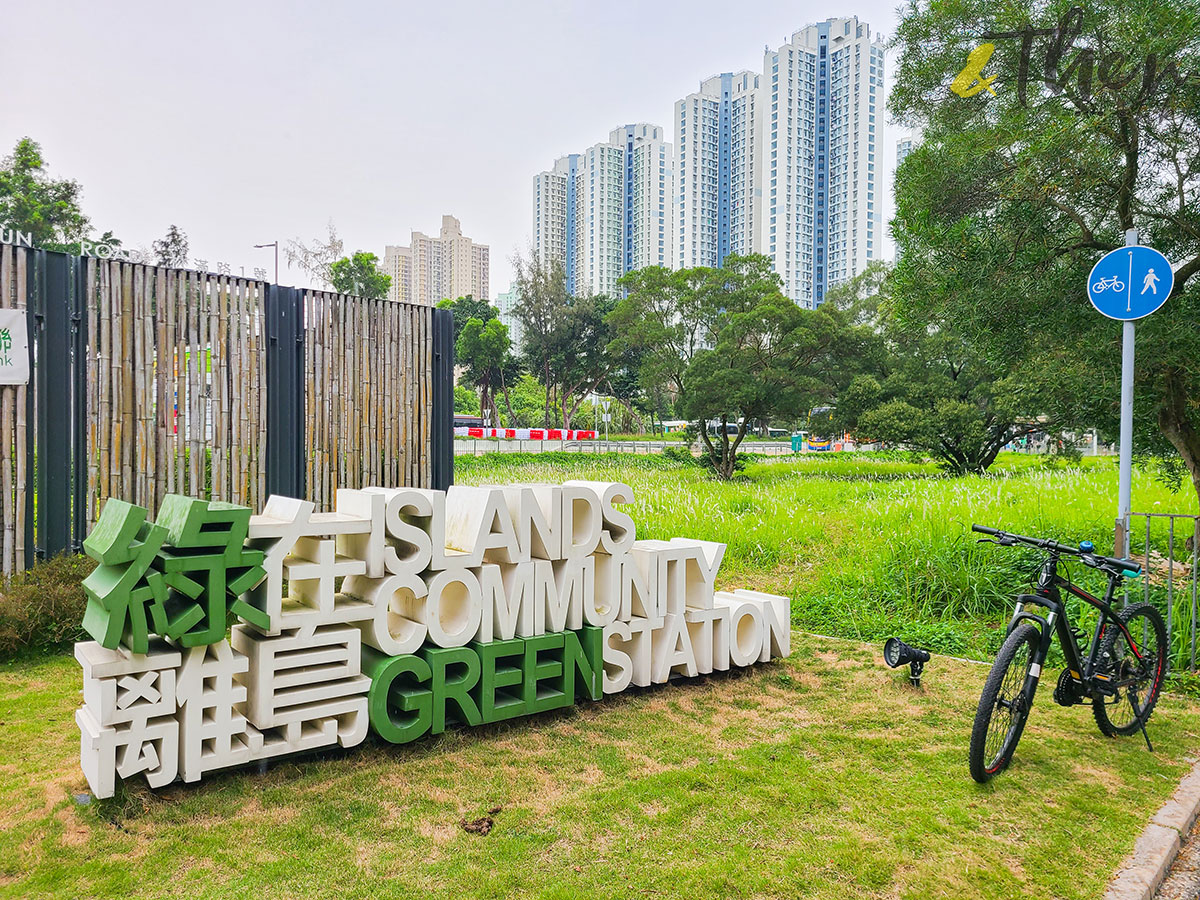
(896, 653)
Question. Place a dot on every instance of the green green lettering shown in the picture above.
(452, 688)
(544, 663)
(583, 653)
(394, 693)
(492, 694)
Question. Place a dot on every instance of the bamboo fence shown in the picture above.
(176, 392)
(368, 403)
(176, 386)
(14, 461)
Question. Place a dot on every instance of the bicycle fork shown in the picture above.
(1046, 627)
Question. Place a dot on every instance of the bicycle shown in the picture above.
(1121, 675)
(1105, 283)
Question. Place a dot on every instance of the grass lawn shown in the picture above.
(821, 776)
(867, 544)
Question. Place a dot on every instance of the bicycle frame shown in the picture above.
(1047, 594)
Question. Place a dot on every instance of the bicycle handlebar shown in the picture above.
(1091, 559)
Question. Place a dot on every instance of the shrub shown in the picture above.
(42, 609)
(681, 454)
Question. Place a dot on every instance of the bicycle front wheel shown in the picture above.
(1003, 705)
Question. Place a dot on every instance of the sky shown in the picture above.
(261, 120)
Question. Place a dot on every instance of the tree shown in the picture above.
(730, 346)
(582, 361)
(766, 357)
(922, 384)
(481, 350)
(543, 291)
(34, 203)
(316, 258)
(172, 250)
(466, 401)
(359, 275)
(934, 394)
(664, 321)
(466, 308)
(1011, 198)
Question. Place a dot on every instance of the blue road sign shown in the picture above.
(1130, 283)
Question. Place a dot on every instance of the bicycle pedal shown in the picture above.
(1068, 691)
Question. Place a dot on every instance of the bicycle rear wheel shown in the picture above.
(1003, 705)
(1135, 660)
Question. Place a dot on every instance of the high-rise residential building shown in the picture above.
(904, 146)
(553, 226)
(397, 262)
(607, 210)
(718, 195)
(432, 269)
(822, 96)
(784, 163)
(506, 305)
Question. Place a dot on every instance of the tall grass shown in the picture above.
(867, 544)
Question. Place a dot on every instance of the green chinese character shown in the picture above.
(120, 588)
(179, 576)
(206, 567)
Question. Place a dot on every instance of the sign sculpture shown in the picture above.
(404, 610)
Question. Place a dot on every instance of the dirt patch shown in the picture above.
(1094, 774)
(440, 833)
(75, 833)
(837, 660)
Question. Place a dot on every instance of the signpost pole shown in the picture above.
(1125, 478)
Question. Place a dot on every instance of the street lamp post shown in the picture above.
(274, 244)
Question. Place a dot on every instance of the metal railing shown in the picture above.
(479, 446)
(1168, 547)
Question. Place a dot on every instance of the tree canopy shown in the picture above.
(1087, 126)
(359, 275)
(32, 202)
(172, 250)
(731, 347)
(466, 308)
(482, 350)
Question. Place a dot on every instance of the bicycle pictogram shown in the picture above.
(1103, 284)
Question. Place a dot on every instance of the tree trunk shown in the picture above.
(512, 420)
(1178, 427)
(638, 421)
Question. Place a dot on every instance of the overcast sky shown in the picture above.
(246, 122)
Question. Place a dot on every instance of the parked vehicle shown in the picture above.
(1121, 673)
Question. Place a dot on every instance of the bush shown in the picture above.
(681, 454)
(42, 609)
